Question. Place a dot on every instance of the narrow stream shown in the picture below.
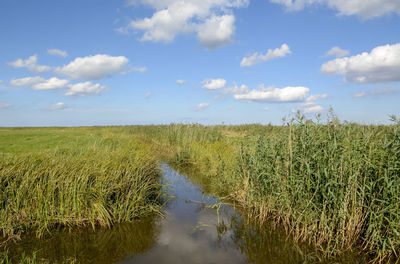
(196, 228)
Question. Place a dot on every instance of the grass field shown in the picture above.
(333, 185)
(52, 178)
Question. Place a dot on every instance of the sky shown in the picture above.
(128, 62)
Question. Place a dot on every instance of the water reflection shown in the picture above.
(188, 234)
(85, 245)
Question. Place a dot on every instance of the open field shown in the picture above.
(335, 186)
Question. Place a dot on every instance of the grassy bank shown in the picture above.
(51, 178)
(335, 186)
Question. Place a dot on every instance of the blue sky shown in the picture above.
(98, 62)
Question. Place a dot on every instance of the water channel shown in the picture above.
(196, 228)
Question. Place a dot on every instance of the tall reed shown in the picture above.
(333, 185)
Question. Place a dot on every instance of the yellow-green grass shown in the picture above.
(333, 185)
(52, 177)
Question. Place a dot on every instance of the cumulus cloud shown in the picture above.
(57, 52)
(84, 89)
(78, 89)
(27, 81)
(57, 106)
(201, 106)
(309, 108)
(210, 19)
(212, 84)
(337, 52)
(31, 64)
(4, 105)
(382, 64)
(180, 82)
(217, 31)
(275, 95)
(242, 89)
(271, 54)
(50, 84)
(315, 97)
(94, 67)
(361, 8)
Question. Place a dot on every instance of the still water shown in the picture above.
(196, 228)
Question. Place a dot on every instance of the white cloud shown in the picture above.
(271, 54)
(84, 89)
(376, 92)
(27, 81)
(217, 31)
(57, 52)
(382, 64)
(309, 108)
(94, 67)
(210, 19)
(272, 94)
(50, 84)
(201, 106)
(213, 84)
(1, 81)
(57, 106)
(236, 89)
(148, 95)
(266, 108)
(316, 97)
(337, 52)
(180, 82)
(31, 64)
(296, 5)
(362, 8)
(4, 105)
(366, 9)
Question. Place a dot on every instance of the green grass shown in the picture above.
(23, 140)
(335, 186)
(51, 178)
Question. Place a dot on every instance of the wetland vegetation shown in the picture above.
(332, 186)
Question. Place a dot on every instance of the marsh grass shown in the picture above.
(333, 185)
(112, 179)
